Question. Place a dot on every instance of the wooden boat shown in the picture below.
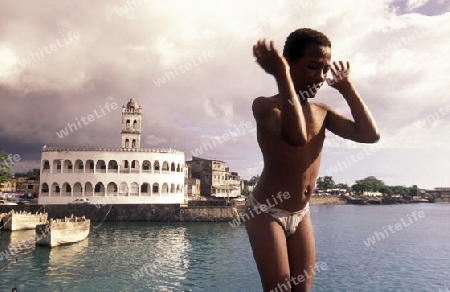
(23, 220)
(61, 231)
(375, 201)
(356, 201)
(2, 215)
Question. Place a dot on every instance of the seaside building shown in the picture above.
(126, 175)
(9, 186)
(28, 185)
(440, 195)
(191, 185)
(215, 178)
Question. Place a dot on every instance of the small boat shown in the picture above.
(23, 220)
(61, 231)
(5, 202)
(375, 201)
(2, 215)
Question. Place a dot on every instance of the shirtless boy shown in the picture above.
(291, 132)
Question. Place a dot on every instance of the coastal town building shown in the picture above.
(336, 192)
(215, 178)
(372, 194)
(107, 175)
(192, 191)
(440, 195)
(27, 185)
(191, 185)
(8, 186)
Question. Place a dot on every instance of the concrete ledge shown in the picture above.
(442, 200)
(326, 200)
(207, 214)
(131, 212)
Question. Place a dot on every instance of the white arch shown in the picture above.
(123, 189)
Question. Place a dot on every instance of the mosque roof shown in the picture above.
(132, 104)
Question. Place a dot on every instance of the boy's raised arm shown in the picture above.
(363, 129)
(291, 128)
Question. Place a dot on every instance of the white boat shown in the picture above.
(5, 202)
(61, 231)
(23, 220)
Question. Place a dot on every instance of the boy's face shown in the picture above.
(310, 71)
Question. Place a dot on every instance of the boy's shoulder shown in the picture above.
(266, 103)
(273, 103)
(322, 107)
(267, 99)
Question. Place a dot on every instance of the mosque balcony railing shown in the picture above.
(131, 131)
(46, 148)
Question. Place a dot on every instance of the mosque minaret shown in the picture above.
(106, 175)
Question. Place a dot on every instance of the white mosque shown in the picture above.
(126, 175)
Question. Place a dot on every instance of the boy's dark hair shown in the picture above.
(297, 41)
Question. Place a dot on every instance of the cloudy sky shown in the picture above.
(189, 64)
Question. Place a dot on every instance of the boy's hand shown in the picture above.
(269, 58)
(341, 76)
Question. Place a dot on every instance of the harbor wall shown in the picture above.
(326, 200)
(207, 214)
(442, 200)
(195, 211)
(132, 212)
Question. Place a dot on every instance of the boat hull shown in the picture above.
(21, 221)
(57, 232)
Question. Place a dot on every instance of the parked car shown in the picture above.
(80, 201)
(3, 202)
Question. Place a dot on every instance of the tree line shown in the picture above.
(368, 184)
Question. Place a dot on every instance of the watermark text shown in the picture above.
(108, 107)
(378, 236)
(69, 38)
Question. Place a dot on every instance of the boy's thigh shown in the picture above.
(268, 242)
(302, 255)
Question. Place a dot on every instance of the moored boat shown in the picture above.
(23, 220)
(61, 231)
(2, 215)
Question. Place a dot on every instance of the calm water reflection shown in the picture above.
(217, 257)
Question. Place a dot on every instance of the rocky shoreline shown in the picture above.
(327, 200)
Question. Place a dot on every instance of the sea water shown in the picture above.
(365, 248)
